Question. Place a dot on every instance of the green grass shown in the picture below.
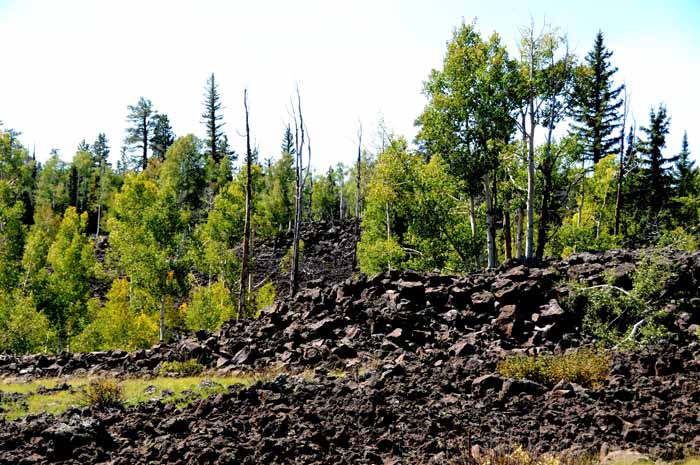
(586, 367)
(183, 391)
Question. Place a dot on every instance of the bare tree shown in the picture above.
(358, 179)
(300, 136)
(245, 272)
(621, 172)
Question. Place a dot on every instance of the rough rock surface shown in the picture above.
(420, 355)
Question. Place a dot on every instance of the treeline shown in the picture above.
(520, 157)
(173, 213)
(525, 157)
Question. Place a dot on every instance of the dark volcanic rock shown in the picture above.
(419, 356)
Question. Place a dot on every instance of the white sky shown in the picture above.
(70, 68)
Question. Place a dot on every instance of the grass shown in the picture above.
(586, 367)
(21, 398)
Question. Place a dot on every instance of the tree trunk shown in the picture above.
(358, 178)
(161, 321)
(530, 241)
(519, 233)
(472, 224)
(247, 227)
(507, 239)
(490, 224)
(298, 204)
(144, 135)
(621, 172)
(547, 167)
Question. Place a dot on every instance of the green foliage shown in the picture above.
(188, 368)
(586, 367)
(627, 318)
(265, 296)
(23, 329)
(147, 233)
(285, 264)
(117, 324)
(590, 228)
(72, 261)
(183, 172)
(103, 393)
(210, 307)
(413, 216)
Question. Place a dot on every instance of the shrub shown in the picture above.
(286, 260)
(265, 296)
(586, 367)
(623, 318)
(210, 307)
(103, 393)
(189, 368)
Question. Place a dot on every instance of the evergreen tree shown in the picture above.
(100, 149)
(138, 136)
(685, 175)
(213, 120)
(597, 103)
(163, 136)
(655, 170)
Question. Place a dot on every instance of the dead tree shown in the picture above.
(300, 136)
(358, 179)
(621, 173)
(245, 272)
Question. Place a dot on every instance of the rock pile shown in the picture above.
(419, 356)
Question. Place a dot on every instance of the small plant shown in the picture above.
(103, 393)
(189, 368)
(586, 367)
(286, 260)
(265, 296)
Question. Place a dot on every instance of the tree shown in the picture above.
(557, 82)
(597, 103)
(325, 201)
(469, 115)
(248, 200)
(655, 170)
(138, 135)
(300, 135)
(685, 174)
(100, 150)
(72, 261)
(358, 183)
(213, 120)
(163, 136)
(147, 232)
(183, 173)
(279, 198)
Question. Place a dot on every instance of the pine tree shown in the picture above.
(163, 136)
(655, 170)
(100, 149)
(212, 119)
(597, 103)
(685, 175)
(138, 136)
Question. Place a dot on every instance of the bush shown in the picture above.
(265, 296)
(623, 318)
(286, 260)
(210, 307)
(189, 368)
(103, 393)
(586, 367)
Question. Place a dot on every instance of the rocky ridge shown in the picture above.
(419, 353)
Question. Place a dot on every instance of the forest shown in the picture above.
(517, 157)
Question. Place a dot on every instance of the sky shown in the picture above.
(70, 68)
